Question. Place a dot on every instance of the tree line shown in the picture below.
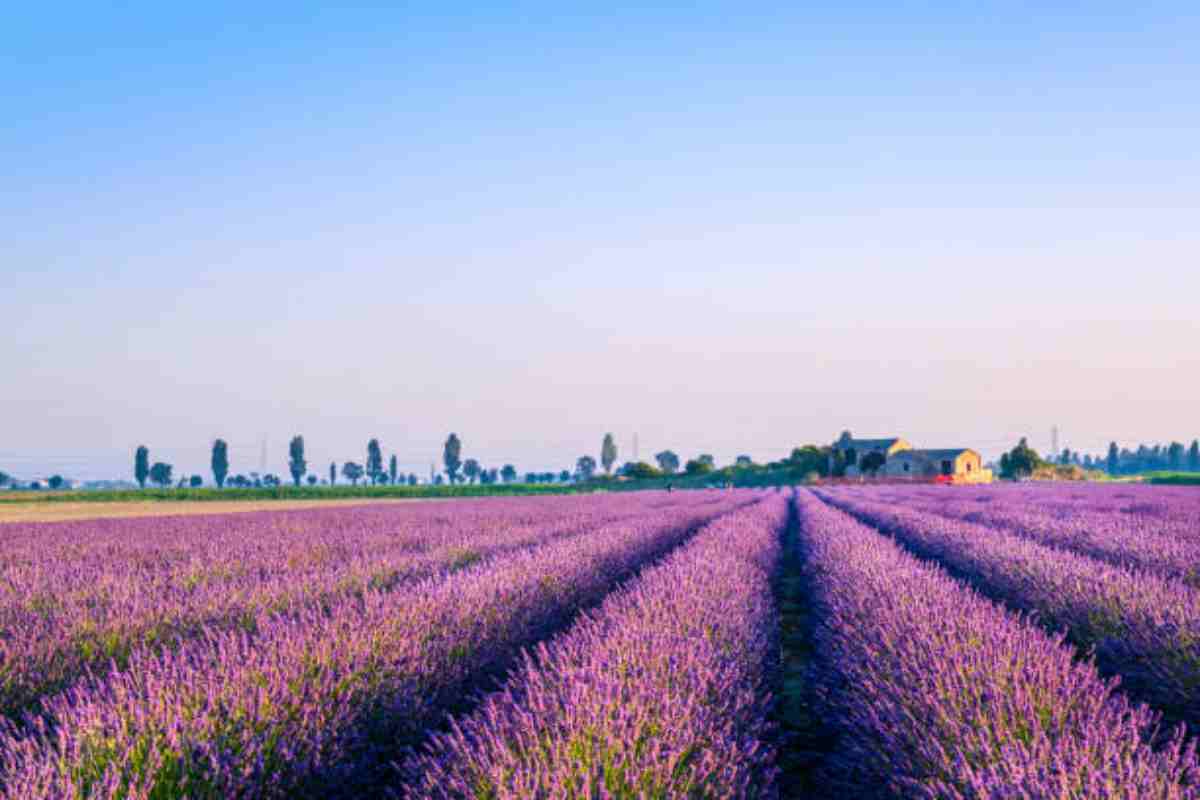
(457, 469)
(1175, 457)
(1172, 457)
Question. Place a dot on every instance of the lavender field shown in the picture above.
(936, 642)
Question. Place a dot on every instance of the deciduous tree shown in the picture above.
(872, 462)
(508, 473)
(160, 473)
(471, 469)
(352, 472)
(585, 468)
(1022, 460)
(668, 462)
(640, 470)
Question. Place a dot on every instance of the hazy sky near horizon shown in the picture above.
(728, 228)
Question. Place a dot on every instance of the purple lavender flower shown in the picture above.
(660, 693)
(941, 694)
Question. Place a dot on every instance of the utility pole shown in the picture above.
(1054, 441)
(635, 448)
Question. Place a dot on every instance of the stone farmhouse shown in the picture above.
(896, 459)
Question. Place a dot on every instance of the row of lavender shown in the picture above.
(1150, 527)
(1143, 627)
(661, 693)
(96, 596)
(1174, 508)
(320, 701)
(213, 548)
(939, 693)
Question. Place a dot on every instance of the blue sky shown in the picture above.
(725, 227)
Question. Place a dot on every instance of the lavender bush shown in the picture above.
(1144, 628)
(313, 703)
(939, 693)
(660, 693)
(1147, 532)
(96, 594)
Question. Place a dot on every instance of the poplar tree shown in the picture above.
(220, 462)
(374, 461)
(608, 453)
(141, 465)
(296, 462)
(452, 456)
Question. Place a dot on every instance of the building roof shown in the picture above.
(867, 444)
(950, 452)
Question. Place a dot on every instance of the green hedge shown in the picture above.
(754, 477)
(1176, 478)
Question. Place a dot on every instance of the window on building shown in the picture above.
(906, 467)
(947, 467)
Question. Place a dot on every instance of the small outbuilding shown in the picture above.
(962, 464)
